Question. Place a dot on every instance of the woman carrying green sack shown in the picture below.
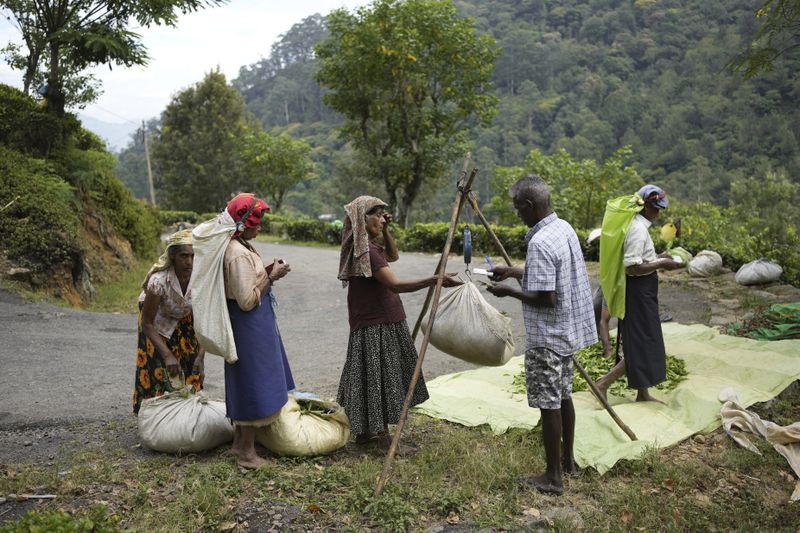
(640, 330)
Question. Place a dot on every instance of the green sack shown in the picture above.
(616, 223)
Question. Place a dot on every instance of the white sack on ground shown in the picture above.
(469, 328)
(758, 272)
(212, 323)
(706, 263)
(306, 427)
(737, 421)
(175, 423)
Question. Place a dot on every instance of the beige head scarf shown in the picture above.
(176, 239)
(354, 255)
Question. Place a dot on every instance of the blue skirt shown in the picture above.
(257, 385)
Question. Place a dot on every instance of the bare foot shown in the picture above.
(570, 469)
(385, 442)
(644, 396)
(544, 484)
(251, 461)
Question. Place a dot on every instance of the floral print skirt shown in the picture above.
(152, 378)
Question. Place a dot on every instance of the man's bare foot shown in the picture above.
(251, 461)
(569, 468)
(544, 484)
(644, 396)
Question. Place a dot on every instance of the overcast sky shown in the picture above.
(229, 36)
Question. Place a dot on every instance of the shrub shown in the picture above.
(40, 229)
(27, 127)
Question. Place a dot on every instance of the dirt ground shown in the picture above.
(67, 375)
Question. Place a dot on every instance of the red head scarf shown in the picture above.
(239, 206)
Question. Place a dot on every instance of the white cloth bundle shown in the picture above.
(469, 328)
(212, 324)
(176, 423)
(758, 272)
(306, 427)
(736, 420)
(705, 263)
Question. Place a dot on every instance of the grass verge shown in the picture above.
(460, 478)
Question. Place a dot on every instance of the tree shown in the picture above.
(779, 34)
(197, 153)
(64, 37)
(409, 77)
(275, 164)
(579, 189)
(132, 162)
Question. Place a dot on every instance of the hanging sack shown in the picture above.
(306, 427)
(706, 263)
(469, 328)
(617, 219)
(758, 272)
(212, 322)
(183, 422)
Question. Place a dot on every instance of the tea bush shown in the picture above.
(39, 230)
(57, 174)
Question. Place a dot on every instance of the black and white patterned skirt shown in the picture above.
(376, 375)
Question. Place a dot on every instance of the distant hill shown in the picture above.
(588, 77)
(117, 135)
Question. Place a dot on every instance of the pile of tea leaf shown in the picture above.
(779, 322)
(597, 366)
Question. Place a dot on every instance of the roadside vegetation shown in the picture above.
(460, 476)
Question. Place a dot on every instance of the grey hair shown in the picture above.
(533, 188)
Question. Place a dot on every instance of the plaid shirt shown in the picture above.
(554, 262)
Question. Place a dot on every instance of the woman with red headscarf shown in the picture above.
(257, 385)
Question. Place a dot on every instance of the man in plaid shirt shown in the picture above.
(559, 321)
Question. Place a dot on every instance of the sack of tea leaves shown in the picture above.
(469, 328)
(181, 422)
(306, 427)
(705, 263)
(758, 272)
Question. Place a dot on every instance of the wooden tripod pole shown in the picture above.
(463, 189)
(460, 201)
(578, 365)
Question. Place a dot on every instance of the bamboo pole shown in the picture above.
(578, 365)
(463, 189)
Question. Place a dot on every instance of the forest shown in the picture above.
(587, 77)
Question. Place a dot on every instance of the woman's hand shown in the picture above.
(450, 281)
(172, 365)
(199, 364)
(387, 219)
(671, 264)
(279, 269)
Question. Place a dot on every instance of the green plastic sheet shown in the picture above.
(616, 222)
(757, 370)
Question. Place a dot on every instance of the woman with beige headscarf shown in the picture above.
(168, 354)
(380, 354)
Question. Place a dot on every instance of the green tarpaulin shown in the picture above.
(757, 370)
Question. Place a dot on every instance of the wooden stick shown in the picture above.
(429, 295)
(578, 365)
(624, 427)
(463, 189)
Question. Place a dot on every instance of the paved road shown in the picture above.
(58, 365)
